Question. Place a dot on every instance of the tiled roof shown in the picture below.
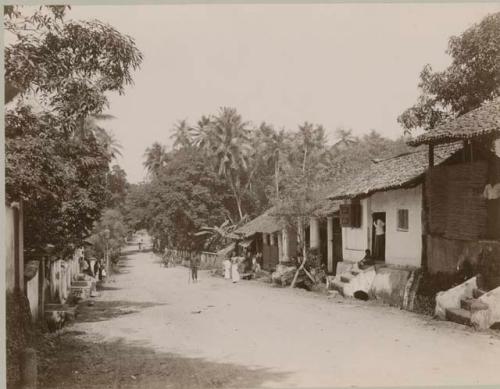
(482, 121)
(392, 173)
(264, 223)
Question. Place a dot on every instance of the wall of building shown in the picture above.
(14, 272)
(403, 248)
(10, 272)
(444, 254)
(356, 240)
(457, 209)
(32, 288)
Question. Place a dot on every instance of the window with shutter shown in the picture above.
(350, 215)
(403, 221)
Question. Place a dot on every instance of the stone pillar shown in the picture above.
(290, 243)
(329, 231)
(279, 238)
(314, 233)
(286, 245)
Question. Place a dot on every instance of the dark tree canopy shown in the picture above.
(57, 159)
(472, 78)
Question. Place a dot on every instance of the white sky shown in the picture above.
(353, 65)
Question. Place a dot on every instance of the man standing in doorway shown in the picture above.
(379, 240)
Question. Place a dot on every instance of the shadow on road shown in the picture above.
(84, 364)
(102, 287)
(106, 310)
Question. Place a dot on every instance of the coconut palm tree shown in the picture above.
(226, 139)
(345, 138)
(156, 158)
(272, 144)
(182, 135)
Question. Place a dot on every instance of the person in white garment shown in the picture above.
(235, 274)
(227, 268)
(379, 238)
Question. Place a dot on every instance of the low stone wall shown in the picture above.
(450, 299)
(390, 285)
(32, 287)
(394, 285)
(363, 282)
(483, 319)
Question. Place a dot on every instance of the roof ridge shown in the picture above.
(400, 155)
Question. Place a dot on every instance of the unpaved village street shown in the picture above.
(150, 328)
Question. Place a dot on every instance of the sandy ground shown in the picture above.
(151, 328)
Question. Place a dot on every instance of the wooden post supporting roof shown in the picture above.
(431, 155)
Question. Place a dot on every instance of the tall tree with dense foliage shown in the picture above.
(61, 72)
(472, 78)
(185, 196)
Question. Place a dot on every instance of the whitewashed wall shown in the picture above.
(356, 240)
(32, 294)
(403, 248)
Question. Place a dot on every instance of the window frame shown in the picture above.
(400, 212)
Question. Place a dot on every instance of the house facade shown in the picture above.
(392, 191)
(401, 211)
(462, 198)
(279, 243)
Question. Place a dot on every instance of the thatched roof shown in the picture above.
(482, 121)
(326, 207)
(264, 223)
(393, 173)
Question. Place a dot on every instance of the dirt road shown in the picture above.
(152, 329)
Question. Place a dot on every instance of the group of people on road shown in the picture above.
(231, 271)
(237, 264)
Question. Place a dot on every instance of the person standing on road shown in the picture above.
(227, 268)
(235, 274)
(195, 263)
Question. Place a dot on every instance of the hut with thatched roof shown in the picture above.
(462, 199)
(391, 191)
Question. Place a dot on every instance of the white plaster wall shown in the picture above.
(32, 293)
(402, 248)
(356, 240)
(10, 270)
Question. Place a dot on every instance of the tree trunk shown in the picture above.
(276, 177)
(304, 261)
(238, 202)
(236, 196)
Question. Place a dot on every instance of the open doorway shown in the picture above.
(323, 243)
(378, 236)
(336, 244)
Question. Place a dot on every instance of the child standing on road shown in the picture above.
(194, 262)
